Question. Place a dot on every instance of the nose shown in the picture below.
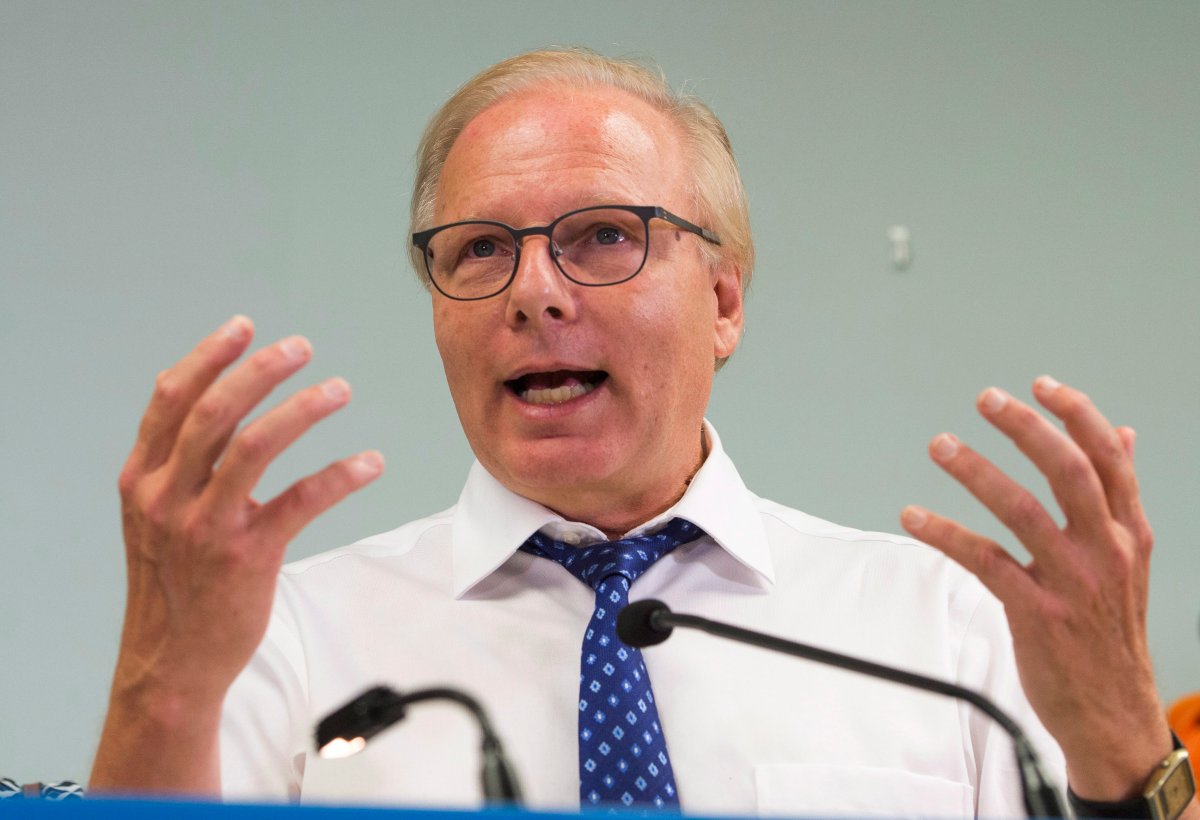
(539, 292)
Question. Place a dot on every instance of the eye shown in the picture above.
(480, 243)
(608, 235)
(481, 248)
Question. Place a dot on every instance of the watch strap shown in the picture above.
(1135, 808)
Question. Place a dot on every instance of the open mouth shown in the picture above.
(556, 387)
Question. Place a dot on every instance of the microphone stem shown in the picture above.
(1041, 800)
(837, 659)
(461, 698)
(499, 780)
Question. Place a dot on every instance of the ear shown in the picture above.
(727, 329)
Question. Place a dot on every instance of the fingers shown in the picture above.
(1106, 448)
(987, 560)
(256, 446)
(1128, 440)
(1070, 472)
(177, 389)
(217, 413)
(1089, 469)
(1011, 503)
(291, 511)
(192, 421)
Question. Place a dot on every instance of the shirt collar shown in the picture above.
(491, 522)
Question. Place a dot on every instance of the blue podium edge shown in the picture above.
(135, 809)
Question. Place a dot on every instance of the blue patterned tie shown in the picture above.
(622, 751)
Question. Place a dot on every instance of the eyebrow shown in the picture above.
(586, 201)
(579, 204)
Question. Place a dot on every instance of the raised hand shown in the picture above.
(202, 554)
(1077, 611)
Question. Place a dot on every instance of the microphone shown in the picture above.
(650, 622)
(346, 730)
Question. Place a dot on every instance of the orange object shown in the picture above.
(1184, 717)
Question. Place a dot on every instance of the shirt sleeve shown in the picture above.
(987, 664)
(264, 731)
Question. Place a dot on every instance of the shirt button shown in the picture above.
(572, 538)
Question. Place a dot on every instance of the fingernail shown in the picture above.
(295, 348)
(945, 446)
(1047, 383)
(993, 399)
(913, 518)
(336, 389)
(1131, 436)
(236, 328)
(367, 464)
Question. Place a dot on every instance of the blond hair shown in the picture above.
(717, 191)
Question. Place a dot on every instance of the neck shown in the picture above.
(616, 516)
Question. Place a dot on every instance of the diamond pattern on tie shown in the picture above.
(623, 758)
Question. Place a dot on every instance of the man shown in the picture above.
(585, 236)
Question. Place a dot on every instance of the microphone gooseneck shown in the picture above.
(650, 622)
(347, 729)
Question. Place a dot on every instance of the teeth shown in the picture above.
(557, 395)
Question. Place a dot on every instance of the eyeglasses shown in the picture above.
(595, 247)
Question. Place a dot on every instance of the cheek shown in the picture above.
(442, 338)
(453, 344)
(673, 347)
(684, 326)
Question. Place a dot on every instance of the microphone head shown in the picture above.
(347, 729)
(637, 625)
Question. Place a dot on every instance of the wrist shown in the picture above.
(164, 702)
(1166, 793)
(158, 739)
(1117, 768)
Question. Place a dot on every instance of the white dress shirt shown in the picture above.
(448, 600)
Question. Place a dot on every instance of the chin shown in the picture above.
(552, 467)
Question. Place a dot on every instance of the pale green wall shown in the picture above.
(165, 165)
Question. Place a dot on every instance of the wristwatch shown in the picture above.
(1167, 793)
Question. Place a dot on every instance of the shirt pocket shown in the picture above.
(858, 791)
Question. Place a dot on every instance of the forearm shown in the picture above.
(156, 743)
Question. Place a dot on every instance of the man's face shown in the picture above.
(643, 350)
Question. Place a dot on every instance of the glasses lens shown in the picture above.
(601, 246)
(471, 260)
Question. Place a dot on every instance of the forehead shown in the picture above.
(541, 152)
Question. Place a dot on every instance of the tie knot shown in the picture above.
(628, 557)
